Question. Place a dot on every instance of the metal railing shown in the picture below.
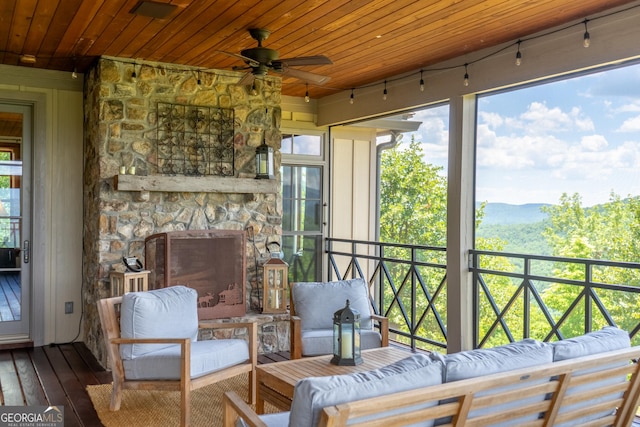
(516, 296)
(408, 284)
(550, 298)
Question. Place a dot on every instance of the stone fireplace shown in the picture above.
(123, 210)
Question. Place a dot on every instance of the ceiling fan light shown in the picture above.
(28, 59)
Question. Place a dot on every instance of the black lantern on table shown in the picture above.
(346, 337)
(264, 162)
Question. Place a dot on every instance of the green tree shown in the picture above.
(605, 232)
(413, 198)
(413, 210)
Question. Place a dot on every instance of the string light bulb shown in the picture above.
(384, 93)
(466, 74)
(74, 73)
(518, 55)
(421, 82)
(351, 98)
(586, 42)
(306, 94)
(134, 75)
(199, 82)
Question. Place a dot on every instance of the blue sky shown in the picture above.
(579, 135)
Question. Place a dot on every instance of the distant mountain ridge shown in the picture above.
(504, 213)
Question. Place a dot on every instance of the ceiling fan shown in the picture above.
(260, 60)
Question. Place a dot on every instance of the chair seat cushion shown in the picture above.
(312, 394)
(161, 313)
(281, 419)
(206, 357)
(316, 302)
(317, 342)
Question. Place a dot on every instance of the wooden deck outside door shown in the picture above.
(15, 197)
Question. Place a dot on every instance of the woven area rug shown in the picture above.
(162, 408)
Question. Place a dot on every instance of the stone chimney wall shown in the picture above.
(120, 130)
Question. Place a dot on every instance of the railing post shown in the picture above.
(414, 305)
(381, 279)
(526, 327)
(588, 277)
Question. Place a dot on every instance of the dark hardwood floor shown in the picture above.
(58, 375)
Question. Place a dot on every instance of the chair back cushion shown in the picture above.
(316, 302)
(312, 394)
(162, 313)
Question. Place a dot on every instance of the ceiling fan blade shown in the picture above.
(305, 60)
(246, 80)
(251, 62)
(305, 75)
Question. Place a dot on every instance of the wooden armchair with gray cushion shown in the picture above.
(312, 307)
(152, 343)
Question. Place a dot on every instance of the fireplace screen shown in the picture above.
(210, 261)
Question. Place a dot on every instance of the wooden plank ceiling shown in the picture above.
(367, 40)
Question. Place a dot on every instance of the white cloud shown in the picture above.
(494, 120)
(542, 119)
(630, 125)
(594, 142)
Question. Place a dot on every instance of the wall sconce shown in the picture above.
(346, 337)
(275, 283)
(264, 162)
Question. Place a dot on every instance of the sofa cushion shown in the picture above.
(607, 339)
(475, 363)
(161, 313)
(206, 357)
(314, 393)
(316, 342)
(486, 361)
(316, 302)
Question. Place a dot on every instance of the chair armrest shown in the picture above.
(234, 407)
(295, 334)
(384, 328)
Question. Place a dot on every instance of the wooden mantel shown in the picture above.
(195, 184)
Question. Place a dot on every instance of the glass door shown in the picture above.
(15, 135)
(302, 222)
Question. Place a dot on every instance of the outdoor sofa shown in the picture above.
(590, 380)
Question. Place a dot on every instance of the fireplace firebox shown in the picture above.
(210, 261)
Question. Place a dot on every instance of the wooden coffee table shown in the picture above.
(276, 380)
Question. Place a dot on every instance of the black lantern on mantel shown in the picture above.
(264, 162)
(346, 337)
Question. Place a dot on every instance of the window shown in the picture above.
(305, 145)
(303, 204)
(565, 146)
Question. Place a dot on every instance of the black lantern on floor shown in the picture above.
(346, 337)
(264, 162)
